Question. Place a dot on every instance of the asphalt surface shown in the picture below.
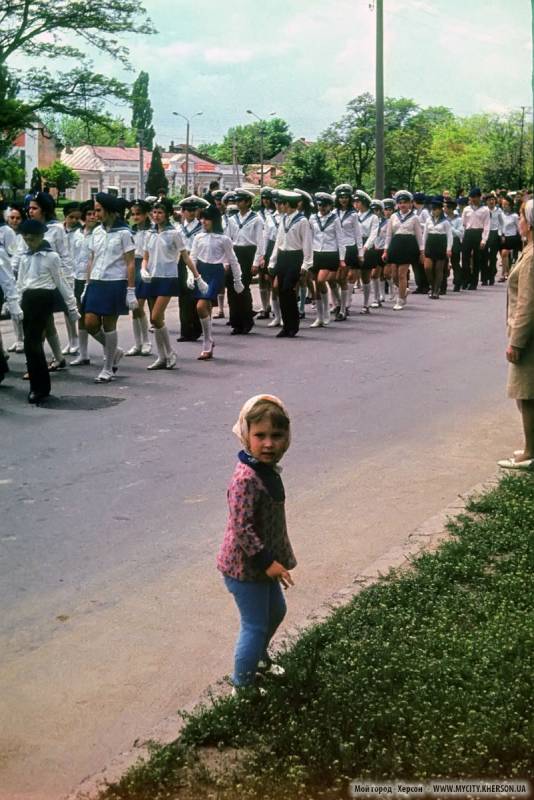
(113, 504)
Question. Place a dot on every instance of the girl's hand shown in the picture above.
(385, 256)
(422, 257)
(277, 570)
(513, 355)
(449, 253)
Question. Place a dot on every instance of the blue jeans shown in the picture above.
(262, 607)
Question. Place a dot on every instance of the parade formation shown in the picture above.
(109, 257)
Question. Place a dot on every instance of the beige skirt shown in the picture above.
(521, 376)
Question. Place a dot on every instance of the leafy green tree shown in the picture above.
(73, 131)
(47, 31)
(12, 173)
(307, 167)
(61, 176)
(142, 111)
(408, 146)
(156, 178)
(276, 137)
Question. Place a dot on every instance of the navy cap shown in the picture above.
(436, 200)
(462, 201)
(475, 192)
(419, 197)
(32, 227)
(108, 202)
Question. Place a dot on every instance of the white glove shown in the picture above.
(73, 314)
(190, 280)
(202, 286)
(303, 270)
(131, 299)
(146, 277)
(238, 287)
(15, 311)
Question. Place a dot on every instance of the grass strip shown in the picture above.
(427, 674)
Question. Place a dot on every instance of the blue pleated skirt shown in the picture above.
(106, 298)
(213, 274)
(158, 287)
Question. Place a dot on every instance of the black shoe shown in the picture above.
(336, 310)
(340, 317)
(492, 282)
(484, 283)
(302, 315)
(236, 332)
(282, 334)
(264, 315)
(292, 334)
(36, 397)
(188, 338)
(456, 289)
(472, 288)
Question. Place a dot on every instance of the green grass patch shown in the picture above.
(426, 674)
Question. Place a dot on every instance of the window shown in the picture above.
(132, 192)
(124, 192)
(94, 191)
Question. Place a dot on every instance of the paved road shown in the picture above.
(113, 504)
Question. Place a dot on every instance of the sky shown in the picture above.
(306, 59)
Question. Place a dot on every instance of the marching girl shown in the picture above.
(40, 276)
(377, 275)
(328, 254)
(8, 292)
(270, 229)
(388, 204)
(42, 208)
(164, 247)
(404, 244)
(71, 216)
(140, 217)
(211, 250)
(189, 227)
(110, 288)
(511, 241)
(352, 237)
(271, 232)
(455, 221)
(9, 244)
(369, 227)
(246, 232)
(306, 285)
(80, 256)
(437, 244)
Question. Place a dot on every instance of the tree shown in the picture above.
(156, 178)
(47, 31)
(307, 167)
(142, 111)
(12, 173)
(73, 131)
(351, 142)
(61, 176)
(276, 137)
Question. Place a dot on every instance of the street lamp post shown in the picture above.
(177, 114)
(262, 134)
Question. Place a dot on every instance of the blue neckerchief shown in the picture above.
(365, 216)
(119, 224)
(250, 216)
(437, 221)
(295, 219)
(192, 232)
(330, 218)
(382, 222)
(44, 247)
(270, 477)
(408, 215)
(346, 213)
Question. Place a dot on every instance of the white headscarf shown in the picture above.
(241, 427)
(529, 213)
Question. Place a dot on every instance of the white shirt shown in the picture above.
(42, 270)
(439, 227)
(108, 249)
(163, 248)
(369, 226)
(247, 231)
(423, 214)
(350, 225)
(327, 234)
(7, 281)
(79, 249)
(380, 239)
(57, 238)
(409, 225)
(477, 219)
(456, 226)
(272, 223)
(8, 239)
(214, 248)
(496, 220)
(510, 224)
(294, 233)
(139, 236)
(189, 231)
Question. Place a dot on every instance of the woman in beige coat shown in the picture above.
(520, 350)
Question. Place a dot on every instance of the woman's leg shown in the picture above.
(275, 302)
(52, 338)
(204, 314)
(366, 285)
(253, 602)
(402, 281)
(439, 266)
(505, 261)
(166, 355)
(322, 304)
(429, 272)
(526, 408)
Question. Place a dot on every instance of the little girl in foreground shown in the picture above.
(256, 554)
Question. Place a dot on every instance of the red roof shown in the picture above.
(200, 166)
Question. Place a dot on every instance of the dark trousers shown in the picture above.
(489, 257)
(37, 305)
(456, 263)
(240, 305)
(472, 257)
(288, 266)
(420, 277)
(3, 361)
(190, 327)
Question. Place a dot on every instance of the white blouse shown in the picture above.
(510, 224)
(352, 231)
(42, 270)
(247, 231)
(409, 225)
(163, 249)
(189, 231)
(440, 227)
(327, 234)
(294, 233)
(213, 248)
(56, 236)
(108, 249)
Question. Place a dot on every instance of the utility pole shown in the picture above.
(520, 178)
(177, 114)
(235, 165)
(141, 140)
(262, 135)
(379, 102)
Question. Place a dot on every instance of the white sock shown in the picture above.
(159, 336)
(344, 297)
(264, 297)
(220, 301)
(382, 287)
(303, 291)
(136, 325)
(376, 288)
(110, 348)
(166, 341)
(350, 290)
(17, 330)
(143, 321)
(99, 336)
(325, 303)
(72, 331)
(336, 294)
(275, 302)
(84, 343)
(55, 345)
(366, 293)
(206, 333)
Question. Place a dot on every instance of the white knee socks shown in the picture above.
(336, 295)
(366, 294)
(72, 331)
(18, 331)
(207, 341)
(161, 345)
(143, 323)
(110, 347)
(376, 289)
(382, 289)
(136, 325)
(350, 291)
(264, 297)
(275, 302)
(344, 300)
(55, 345)
(84, 343)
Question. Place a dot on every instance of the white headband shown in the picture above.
(241, 426)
